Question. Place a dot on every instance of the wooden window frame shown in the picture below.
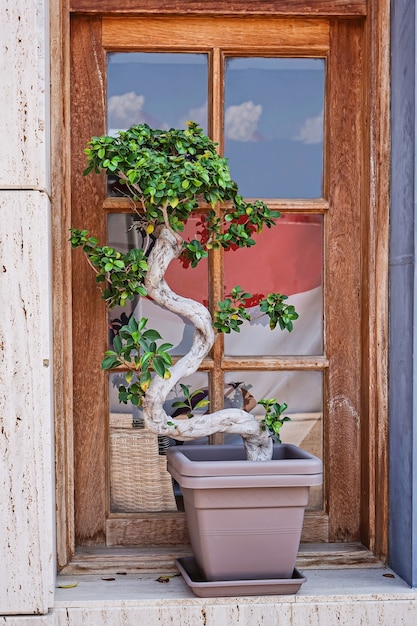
(371, 21)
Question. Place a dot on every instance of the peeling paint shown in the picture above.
(343, 403)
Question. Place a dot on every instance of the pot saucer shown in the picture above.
(226, 588)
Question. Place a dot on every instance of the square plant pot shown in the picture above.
(244, 517)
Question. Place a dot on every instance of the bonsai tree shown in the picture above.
(167, 175)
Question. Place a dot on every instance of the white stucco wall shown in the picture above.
(27, 555)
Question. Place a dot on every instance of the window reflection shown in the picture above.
(301, 391)
(287, 259)
(163, 90)
(139, 481)
(186, 281)
(274, 126)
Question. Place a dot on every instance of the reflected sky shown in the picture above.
(163, 90)
(274, 126)
(273, 114)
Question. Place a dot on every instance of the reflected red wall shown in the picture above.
(286, 259)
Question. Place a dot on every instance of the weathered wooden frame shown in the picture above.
(374, 19)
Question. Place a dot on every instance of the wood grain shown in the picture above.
(356, 381)
(145, 530)
(216, 258)
(219, 7)
(61, 272)
(88, 114)
(319, 205)
(374, 524)
(125, 560)
(268, 363)
(230, 34)
(380, 151)
(160, 559)
(335, 555)
(343, 280)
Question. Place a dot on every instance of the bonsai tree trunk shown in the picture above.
(258, 443)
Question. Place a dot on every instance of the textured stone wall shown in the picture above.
(27, 560)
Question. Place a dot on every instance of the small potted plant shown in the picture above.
(167, 174)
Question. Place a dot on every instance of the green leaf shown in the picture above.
(185, 390)
(151, 335)
(166, 357)
(202, 403)
(179, 405)
(109, 362)
(165, 346)
(117, 344)
(132, 325)
(146, 357)
(159, 366)
(142, 323)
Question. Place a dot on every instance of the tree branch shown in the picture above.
(257, 442)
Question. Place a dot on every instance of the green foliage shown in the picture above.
(123, 274)
(191, 401)
(135, 347)
(160, 168)
(273, 420)
(278, 312)
(231, 311)
(194, 252)
(167, 173)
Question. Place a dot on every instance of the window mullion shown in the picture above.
(216, 270)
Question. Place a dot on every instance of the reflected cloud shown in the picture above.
(311, 132)
(241, 121)
(125, 110)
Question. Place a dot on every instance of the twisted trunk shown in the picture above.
(257, 442)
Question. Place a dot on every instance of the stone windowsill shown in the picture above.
(363, 595)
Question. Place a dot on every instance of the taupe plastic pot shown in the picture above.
(244, 517)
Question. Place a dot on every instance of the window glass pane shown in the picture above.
(197, 382)
(186, 281)
(163, 90)
(302, 391)
(287, 259)
(274, 126)
(139, 481)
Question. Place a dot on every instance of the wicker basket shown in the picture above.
(139, 481)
